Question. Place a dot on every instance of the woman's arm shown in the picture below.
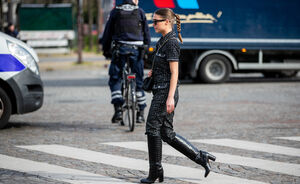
(173, 84)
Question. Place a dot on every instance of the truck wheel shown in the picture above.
(214, 69)
(5, 108)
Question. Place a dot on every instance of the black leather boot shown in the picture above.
(186, 148)
(118, 115)
(155, 151)
(140, 117)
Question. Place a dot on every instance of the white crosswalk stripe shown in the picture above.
(253, 146)
(295, 138)
(280, 167)
(186, 174)
(174, 171)
(54, 172)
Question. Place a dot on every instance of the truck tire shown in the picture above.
(214, 69)
(5, 108)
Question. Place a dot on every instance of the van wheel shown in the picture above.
(214, 69)
(5, 108)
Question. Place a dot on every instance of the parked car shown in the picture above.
(21, 87)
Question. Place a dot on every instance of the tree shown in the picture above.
(90, 11)
(79, 30)
(99, 19)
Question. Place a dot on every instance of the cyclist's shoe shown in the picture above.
(140, 117)
(118, 115)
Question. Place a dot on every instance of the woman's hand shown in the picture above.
(170, 105)
(150, 73)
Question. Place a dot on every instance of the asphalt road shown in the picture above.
(251, 124)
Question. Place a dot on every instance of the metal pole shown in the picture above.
(260, 57)
(79, 30)
(1, 17)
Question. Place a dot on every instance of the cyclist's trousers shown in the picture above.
(115, 75)
(159, 122)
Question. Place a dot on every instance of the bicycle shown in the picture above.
(129, 94)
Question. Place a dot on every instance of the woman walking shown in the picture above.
(165, 97)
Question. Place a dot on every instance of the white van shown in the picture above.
(21, 87)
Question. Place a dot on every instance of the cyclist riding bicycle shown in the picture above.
(128, 29)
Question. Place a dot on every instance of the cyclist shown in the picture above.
(127, 28)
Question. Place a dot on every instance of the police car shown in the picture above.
(21, 88)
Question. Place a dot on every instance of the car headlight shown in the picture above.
(23, 55)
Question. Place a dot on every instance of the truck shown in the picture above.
(21, 87)
(223, 37)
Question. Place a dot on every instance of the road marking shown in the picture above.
(295, 138)
(55, 172)
(174, 171)
(253, 146)
(280, 167)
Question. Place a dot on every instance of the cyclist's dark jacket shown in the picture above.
(159, 122)
(136, 29)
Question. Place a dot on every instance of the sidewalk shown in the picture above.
(69, 62)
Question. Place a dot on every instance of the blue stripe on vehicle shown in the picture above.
(188, 4)
(9, 63)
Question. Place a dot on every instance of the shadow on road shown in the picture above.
(249, 80)
(66, 127)
(90, 82)
(94, 82)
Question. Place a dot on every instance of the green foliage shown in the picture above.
(86, 43)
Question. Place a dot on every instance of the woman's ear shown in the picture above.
(167, 22)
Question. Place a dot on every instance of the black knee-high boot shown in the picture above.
(155, 152)
(186, 148)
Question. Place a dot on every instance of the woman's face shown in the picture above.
(136, 2)
(160, 24)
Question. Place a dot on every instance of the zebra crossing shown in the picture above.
(186, 174)
(289, 138)
(55, 172)
(178, 172)
(280, 167)
(252, 146)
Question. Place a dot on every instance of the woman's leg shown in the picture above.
(153, 125)
(185, 147)
(182, 145)
(155, 169)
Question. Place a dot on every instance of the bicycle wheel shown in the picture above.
(130, 109)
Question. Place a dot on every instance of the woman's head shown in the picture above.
(136, 2)
(164, 19)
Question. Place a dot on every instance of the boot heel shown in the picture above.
(161, 178)
(211, 157)
(161, 175)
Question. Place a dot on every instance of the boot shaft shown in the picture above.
(185, 147)
(154, 150)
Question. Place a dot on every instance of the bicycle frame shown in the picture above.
(129, 94)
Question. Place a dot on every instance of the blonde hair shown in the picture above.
(167, 13)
